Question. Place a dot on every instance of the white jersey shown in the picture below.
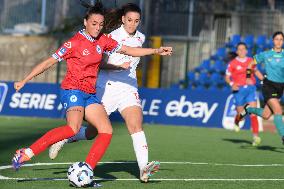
(124, 77)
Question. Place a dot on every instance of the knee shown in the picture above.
(133, 130)
(107, 130)
(134, 127)
(266, 116)
(75, 127)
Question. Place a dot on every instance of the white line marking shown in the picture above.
(158, 179)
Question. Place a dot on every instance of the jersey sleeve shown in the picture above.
(259, 58)
(65, 51)
(112, 45)
(229, 69)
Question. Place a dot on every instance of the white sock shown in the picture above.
(141, 148)
(81, 135)
(29, 152)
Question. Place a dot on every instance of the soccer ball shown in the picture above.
(80, 174)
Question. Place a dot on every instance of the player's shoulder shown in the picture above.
(233, 62)
(116, 32)
(75, 40)
(141, 35)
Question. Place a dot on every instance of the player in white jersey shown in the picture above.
(117, 90)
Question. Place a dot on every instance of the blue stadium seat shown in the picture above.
(259, 50)
(216, 79)
(205, 66)
(249, 52)
(191, 76)
(203, 79)
(221, 54)
(219, 66)
(261, 41)
(235, 39)
(260, 67)
(226, 88)
(270, 44)
(249, 41)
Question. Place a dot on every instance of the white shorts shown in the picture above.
(117, 96)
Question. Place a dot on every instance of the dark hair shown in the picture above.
(93, 9)
(113, 16)
(129, 7)
(231, 55)
(242, 43)
(278, 33)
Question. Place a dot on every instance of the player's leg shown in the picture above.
(254, 126)
(237, 118)
(85, 133)
(96, 115)
(133, 118)
(267, 91)
(74, 117)
(277, 110)
(239, 97)
(89, 132)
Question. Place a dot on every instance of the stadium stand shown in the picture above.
(210, 73)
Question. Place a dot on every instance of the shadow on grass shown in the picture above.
(102, 171)
(248, 145)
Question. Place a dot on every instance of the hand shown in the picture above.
(125, 65)
(18, 85)
(249, 81)
(164, 51)
(235, 87)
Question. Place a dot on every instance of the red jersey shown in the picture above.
(83, 55)
(237, 71)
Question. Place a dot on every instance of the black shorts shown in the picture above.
(271, 89)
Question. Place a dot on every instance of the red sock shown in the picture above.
(254, 124)
(51, 137)
(98, 149)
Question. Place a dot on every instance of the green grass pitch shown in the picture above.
(191, 158)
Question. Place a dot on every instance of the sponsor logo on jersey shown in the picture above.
(3, 93)
(86, 52)
(68, 45)
(62, 51)
(239, 67)
(99, 50)
(73, 98)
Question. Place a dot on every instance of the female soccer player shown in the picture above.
(117, 90)
(83, 54)
(243, 92)
(273, 83)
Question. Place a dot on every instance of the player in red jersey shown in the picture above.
(243, 91)
(83, 54)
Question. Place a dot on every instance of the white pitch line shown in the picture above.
(166, 162)
(160, 179)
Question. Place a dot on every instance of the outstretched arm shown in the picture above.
(38, 69)
(137, 52)
(259, 75)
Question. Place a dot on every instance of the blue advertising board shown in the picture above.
(202, 108)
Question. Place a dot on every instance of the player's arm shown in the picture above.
(137, 52)
(105, 66)
(259, 75)
(38, 69)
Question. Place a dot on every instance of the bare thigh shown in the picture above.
(133, 117)
(96, 115)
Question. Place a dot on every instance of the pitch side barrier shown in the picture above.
(160, 106)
